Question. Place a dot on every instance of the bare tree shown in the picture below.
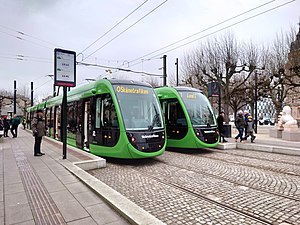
(152, 81)
(223, 60)
(282, 82)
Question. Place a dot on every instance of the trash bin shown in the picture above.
(227, 130)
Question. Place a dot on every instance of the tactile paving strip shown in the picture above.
(42, 206)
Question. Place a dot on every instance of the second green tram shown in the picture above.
(189, 118)
(112, 118)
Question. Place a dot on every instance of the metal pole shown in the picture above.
(64, 122)
(31, 91)
(15, 97)
(220, 98)
(176, 71)
(255, 99)
(164, 70)
(53, 90)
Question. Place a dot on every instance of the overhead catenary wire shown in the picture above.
(24, 39)
(221, 29)
(118, 68)
(84, 58)
(23, 56)
(248, 18)
(113, 27)
(206, 29)
(28, 35)
(42, 85)
(24, 59)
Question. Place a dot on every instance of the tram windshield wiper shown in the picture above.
(155, 118)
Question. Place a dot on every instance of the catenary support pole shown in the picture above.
(177, 82)
(164, 70)
(255, 99)
(15, 97)
(31, 92)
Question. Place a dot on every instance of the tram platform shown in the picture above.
(263, 142)
(51, 190)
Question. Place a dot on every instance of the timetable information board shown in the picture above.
(64, 68)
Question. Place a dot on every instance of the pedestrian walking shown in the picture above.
(240, 125)
(1, 127)
(250, 129)
(38, 131)
(24, 123)
(220, 121)
(6, 125)
(14, 126)
(246, 114)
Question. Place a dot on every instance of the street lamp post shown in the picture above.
(176, 64)
(255, 99)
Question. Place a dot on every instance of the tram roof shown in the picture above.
(90, 89)
(182, 88)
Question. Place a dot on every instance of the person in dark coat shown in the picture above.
(38, 131)
(220, 121)
(246, 115)
(240, 125)
(14, 126)
(6, 125)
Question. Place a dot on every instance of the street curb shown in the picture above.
(96, 162)
(126, 208)
(226, 146)
(260, 147)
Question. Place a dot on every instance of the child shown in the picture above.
(250, 129)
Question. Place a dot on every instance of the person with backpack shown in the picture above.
(240, 125)
(14, 126)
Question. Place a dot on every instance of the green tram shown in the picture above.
(189, 118)
(112, 118)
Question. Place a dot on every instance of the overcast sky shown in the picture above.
(74, 25)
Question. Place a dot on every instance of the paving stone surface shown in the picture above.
(35, 190)
(199, 187)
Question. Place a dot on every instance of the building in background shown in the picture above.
(265, 109)
(293, 67)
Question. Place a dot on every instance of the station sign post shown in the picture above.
(65, 76)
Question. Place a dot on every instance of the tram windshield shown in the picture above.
(139, 107)
(199, 109)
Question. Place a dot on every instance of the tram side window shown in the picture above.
(98, 113)
(79, 116)
(58, 122)
(71, 125)
(106, 116)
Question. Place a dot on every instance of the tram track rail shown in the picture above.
(262, 221)
(265, 207)
(165, 181)
(242, 154)
(261, 167)
(233, 182)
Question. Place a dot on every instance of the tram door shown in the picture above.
(176, 124)
(86, 127)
